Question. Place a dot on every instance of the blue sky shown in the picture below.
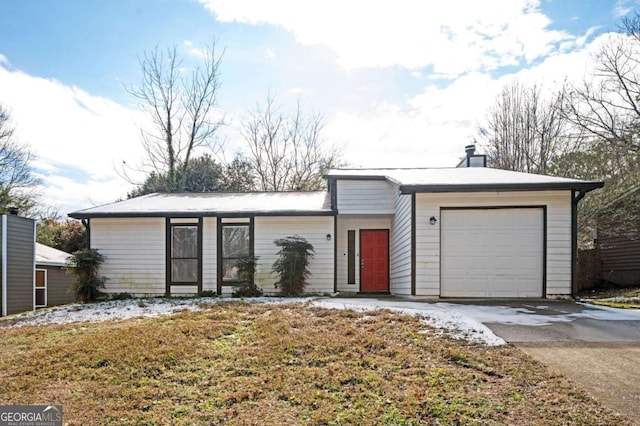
(400, 83)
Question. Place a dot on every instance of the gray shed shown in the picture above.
(17, 254)
(51, 280)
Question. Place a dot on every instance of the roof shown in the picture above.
(463, 179)
(215, 203)
(48, 256)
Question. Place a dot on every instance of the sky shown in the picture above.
(402, 83)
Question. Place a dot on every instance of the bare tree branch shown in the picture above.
(183, 111)
(287, 152)
(524, 132)
(18, 182)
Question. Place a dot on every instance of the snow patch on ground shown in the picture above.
(447, 317)
(125, 309)
(622, 299)
(106, 311)
(438, 315)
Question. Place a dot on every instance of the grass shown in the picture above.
(614, 297)
(238, 363)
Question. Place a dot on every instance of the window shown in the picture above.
(351, 257)
(184, 253)
(236, 244)
(41, 288)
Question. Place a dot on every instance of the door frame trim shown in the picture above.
(45, 288)
(388, 261)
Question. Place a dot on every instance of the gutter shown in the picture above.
(196, 214)
(502, 187)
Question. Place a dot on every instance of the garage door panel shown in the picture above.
(492, 253)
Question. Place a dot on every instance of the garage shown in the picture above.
(492, 252)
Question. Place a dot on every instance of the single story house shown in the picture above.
(440, 232)
(32, 275)
(52, 282)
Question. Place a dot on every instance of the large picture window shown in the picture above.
(184, 253)
(236, 244)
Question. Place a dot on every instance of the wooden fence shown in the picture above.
(589, 268)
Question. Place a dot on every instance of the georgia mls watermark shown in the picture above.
(30, 415)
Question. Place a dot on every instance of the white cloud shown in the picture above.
(78, 138)
(454, 37)
(432, 128)
(624, 7)
(3, 60)
(200, 53)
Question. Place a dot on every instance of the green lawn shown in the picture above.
(237, 363)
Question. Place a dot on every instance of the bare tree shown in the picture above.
(605, 111)
(181, 107)
(287, 152)
(18, 182)
(524, 130)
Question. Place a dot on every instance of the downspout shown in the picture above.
(4, 265)
(87, 226)
(576, 196)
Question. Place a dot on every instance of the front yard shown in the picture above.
(239, 363)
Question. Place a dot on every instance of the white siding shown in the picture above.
(558, 233)
(365, 197)
(400, 247)
(209, 247)
(134, 251)
(314, 229)
(355, 223)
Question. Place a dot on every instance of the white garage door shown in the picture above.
(492, 252)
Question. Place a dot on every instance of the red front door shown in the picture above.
(374, 260)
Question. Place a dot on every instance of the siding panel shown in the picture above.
(558, 233)
(314, 229)
(209, 247)
(58, 282)
(134, 251)
(365, 197)
(20, 264)
(400, 242)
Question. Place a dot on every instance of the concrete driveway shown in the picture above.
(598, 348)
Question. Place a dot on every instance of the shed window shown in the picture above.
(236, 244)
(184, 253)
(41, 288)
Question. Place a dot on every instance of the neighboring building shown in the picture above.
(619, 246)
(32, 275)
(17, 252)
(52, 281)
(450, 232)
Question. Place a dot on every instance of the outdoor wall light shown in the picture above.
(328, 237)
(433, 220)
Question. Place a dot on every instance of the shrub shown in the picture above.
(292, 265)
(85, 265)
(207, 293)
(246, 275)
